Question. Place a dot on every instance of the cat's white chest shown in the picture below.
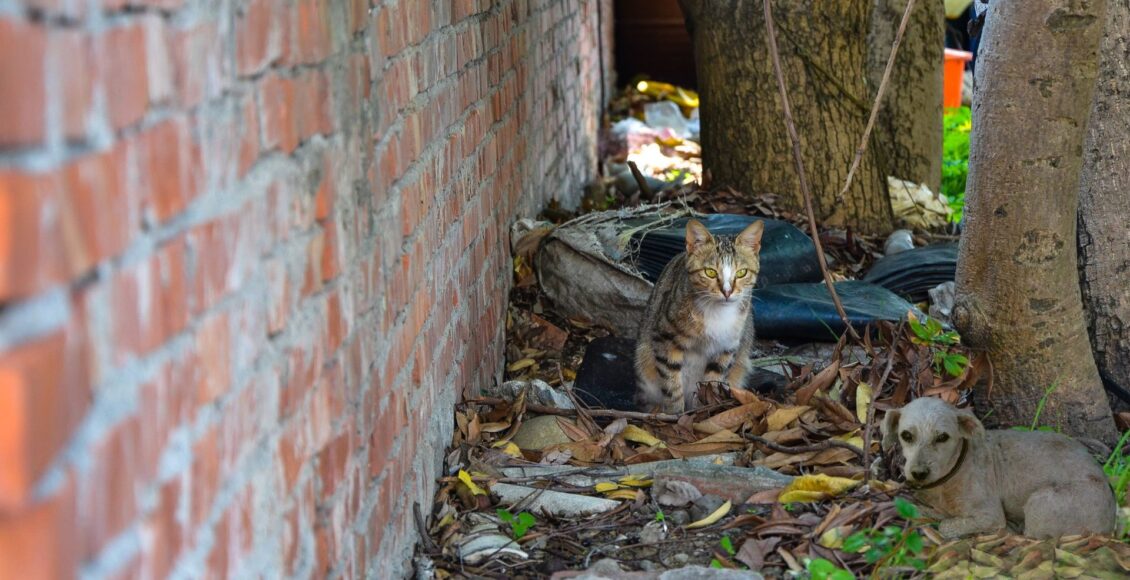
(723, 325)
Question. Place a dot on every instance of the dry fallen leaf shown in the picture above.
(509, 448)
(638, 435)
(862, 402)
(815, 488)
(781, 418)
(465, 478)
(733, 418)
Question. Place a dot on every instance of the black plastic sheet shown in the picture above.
(806, 311)
(911, 274)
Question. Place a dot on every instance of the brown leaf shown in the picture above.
(581, 451)
(743, 396)
(474, 431)
(572, 431)
(734, 418)
(821, 381)
(494, 427)
(768, 496)
(754, 551)
(719, 442)
(545, 334)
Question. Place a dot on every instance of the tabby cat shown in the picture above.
(699, 321)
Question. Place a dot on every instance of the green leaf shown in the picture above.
(505, 515)
(659, 517)
(856, 542)
(873, 555)
(820, 569)
(905, 509)
(918, 330)
(841, 574)
(727, 545)
(714, 563)
(918, 564)
(914, 542)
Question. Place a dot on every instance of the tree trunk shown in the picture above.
(744, 140)
(1018, 293)
(908, 133)
(1104, 202)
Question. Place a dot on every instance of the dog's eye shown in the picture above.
(906, 436)
(942, 438)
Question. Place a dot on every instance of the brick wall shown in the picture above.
(251, 251)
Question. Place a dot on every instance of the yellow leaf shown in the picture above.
(712, 518)
(815, 488)
(635, 481)
(606, 486)
(497, 427)
(832, 538)
(781, 418)
(509, 448)
(623, 494)
(862, 402)
(521, 364)
(466, 479)
(638, 435)
(446, 521)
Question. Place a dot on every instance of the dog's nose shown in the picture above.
(920, 474)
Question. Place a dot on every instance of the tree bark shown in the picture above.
(1104, 202)
(908, 132)
(1018, 295)
(823, 57)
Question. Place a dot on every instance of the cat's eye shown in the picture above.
(942, 438)
(907, 436)
(710, 273)
(742, 273)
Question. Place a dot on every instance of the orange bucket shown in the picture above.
(952, 77)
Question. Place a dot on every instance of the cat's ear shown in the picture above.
(697, 236)
(750, 237)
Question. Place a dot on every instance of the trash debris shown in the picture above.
(898, 241)
(941, 301)
(916, 206)
(553, 503)
(538, 392)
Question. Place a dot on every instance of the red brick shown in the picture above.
(167, 532)
(277, 110)
(312, 105)
(150, 301)
(31, 257)
(249, 146)
(358, 15)
(205, 475)
(223, 250)
(23, 118)
(259, 36)
(100, 205)
(337, 327)
(213, 346)
(324, 198)
(311, 32)
(301, 376)
(123, 70)
(333, 460)
(278, 296)
(43, 396)
(39, 542)
(331, 262)
(70, 56)
(314, 253)
(108, 494)
(199, 72)
(169, 167)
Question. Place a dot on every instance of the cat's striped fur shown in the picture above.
(699, 321)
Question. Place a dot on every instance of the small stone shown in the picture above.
(653, 532)
(898, 241)
(537, 433)
(679, 517)
(681, 558)
(704, 506)
(647, 565)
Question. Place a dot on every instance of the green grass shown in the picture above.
(956, 125)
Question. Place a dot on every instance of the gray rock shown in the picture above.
(705, 573)
(704, 506)
(537, 433)
(679, 517)
(681, 558)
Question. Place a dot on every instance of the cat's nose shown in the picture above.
(727, 292)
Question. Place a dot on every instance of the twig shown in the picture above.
(822, 446)
(422, 527)
(648, 194)
(794, 140)
(878, 389)
(544, 410)
(878, 100)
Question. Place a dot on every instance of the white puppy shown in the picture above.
(1042, 484)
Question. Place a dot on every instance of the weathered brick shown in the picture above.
(259, 35)
(150, 301)
(45, 528)
(198, 63)
(124, 73)
(23, 97)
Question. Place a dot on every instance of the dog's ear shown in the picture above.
(970, 425)
(889, 429)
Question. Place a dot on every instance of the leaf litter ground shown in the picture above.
(821, 429)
